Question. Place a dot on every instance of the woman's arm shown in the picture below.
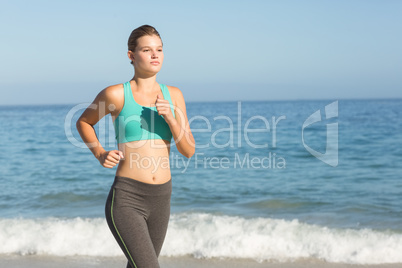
(179, 126)
(100, 107)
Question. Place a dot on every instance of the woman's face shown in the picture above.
(148, 55)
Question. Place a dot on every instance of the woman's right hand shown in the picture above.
(109, 159)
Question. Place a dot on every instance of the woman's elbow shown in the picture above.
(78, 125)
(81, 124)
(188, 153)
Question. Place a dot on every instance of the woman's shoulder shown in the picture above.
(176, 95)
(175, 92)
(114, 89)
(113, 97)
(112, 93)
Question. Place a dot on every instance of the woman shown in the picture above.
(146, 116)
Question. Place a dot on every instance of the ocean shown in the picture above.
(270, 181)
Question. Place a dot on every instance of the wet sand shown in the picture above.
(35, 261)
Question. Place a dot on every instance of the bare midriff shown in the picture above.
(146, 161)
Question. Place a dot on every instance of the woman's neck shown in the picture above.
(144, 83)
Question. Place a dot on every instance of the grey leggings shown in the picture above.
(138, 214)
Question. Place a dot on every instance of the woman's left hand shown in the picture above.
(163, 108)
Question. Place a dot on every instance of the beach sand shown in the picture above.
(35, 261)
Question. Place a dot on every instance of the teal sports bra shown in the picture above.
(136, 122)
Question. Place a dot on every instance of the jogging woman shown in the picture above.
(146, 116)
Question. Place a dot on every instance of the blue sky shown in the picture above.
(55, 52)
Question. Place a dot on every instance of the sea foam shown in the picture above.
(207, 236)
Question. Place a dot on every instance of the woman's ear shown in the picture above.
(130, 55)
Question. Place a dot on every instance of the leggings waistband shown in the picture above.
(139, 187)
